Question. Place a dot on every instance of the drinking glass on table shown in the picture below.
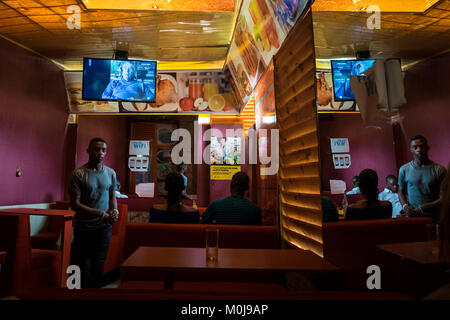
(212, 244)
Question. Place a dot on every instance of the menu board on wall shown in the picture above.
(182, 92)
(325, 97)
(260, 30)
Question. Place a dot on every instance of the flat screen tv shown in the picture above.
(342, 70)
(119, 80)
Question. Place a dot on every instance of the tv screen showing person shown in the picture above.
(119, 80)
(342, 70)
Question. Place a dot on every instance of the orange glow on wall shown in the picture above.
(385, 5)
(169, 5)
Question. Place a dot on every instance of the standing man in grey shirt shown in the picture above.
(92, 197)
(421, 181)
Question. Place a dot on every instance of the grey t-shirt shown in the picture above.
(93, 187)
(423, 184)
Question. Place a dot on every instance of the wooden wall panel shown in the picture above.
(299, 174)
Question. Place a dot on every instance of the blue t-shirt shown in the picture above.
(94, 188)
(423, 184)
(233, 210)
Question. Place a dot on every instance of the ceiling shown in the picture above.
(412, 36)
(152, 34)
(191, 37)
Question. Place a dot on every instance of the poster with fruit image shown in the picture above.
(261, 28)
(325, 98)
(206, 91)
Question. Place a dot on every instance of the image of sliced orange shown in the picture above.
(216, 102)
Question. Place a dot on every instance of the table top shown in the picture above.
(40, 212)
(422, 252)
(183, 259)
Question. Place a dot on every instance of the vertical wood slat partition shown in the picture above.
(299, 173)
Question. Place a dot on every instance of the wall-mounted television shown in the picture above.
(342, 70)
(119, 80)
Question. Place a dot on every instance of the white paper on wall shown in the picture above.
(341, 161)
(340, 145)
(139, 147)
(138, 164)
(145, 190)
(337, 186)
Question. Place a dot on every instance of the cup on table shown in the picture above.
(212, 244)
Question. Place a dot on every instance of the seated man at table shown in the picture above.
(370, 207)
(174, 211)
(234, 209)
(390, 194)
(355, 182)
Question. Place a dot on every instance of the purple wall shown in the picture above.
(369, 148)
(33, 120)
(113, 129)
(428, 109)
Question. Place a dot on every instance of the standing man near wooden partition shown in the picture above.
(92, 197)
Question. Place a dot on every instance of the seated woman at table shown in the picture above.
(370, 207)
(174, 211)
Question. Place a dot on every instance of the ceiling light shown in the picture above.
(204, 119)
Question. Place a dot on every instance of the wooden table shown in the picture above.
(66, 239)
(169, 260)
(421, 252)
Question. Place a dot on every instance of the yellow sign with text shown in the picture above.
(223, 172)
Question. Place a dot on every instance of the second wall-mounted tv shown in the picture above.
(119, 80)
(342, 70)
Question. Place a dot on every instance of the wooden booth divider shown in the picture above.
(299, 173)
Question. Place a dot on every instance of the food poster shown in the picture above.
(184, 92)
(73, 81)
(264, 97)
(325, 97)
(225, 150)
(260, 30)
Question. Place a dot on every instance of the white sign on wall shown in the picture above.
(138, 164)
(341, 161)
(139, 148)
(340, 145)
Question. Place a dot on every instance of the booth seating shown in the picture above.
(139, 207)
(337, 198)
(193, 236)
(48, 240)
(351, 246)
(25, 268)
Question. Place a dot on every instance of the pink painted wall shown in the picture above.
(369, 148)
(33, 118)
(113, 129)
(428, 109)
